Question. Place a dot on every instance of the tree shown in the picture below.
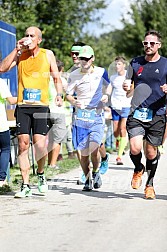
(144, 15)
(61, 21)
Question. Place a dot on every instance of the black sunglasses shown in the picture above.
(76, 53)
(86, 59)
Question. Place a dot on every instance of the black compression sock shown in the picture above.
(151, 166)
(136, 159)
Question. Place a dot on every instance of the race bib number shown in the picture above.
(143, 114)
(31, 95)
(86, 115)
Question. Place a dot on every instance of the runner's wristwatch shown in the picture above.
(59, 94)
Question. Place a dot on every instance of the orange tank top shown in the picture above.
(33, 78)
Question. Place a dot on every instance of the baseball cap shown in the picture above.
(75, 48)
(86, 52)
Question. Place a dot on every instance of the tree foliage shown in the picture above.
(143, 15)
(62, 24)
(61, 21)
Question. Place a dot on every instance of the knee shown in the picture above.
(151, 154)
(135, 150)
(23, 146)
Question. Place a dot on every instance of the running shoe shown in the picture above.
(56, 167)
(137, 179)
(104, 165)
(88, 185)
(42, 185)
(97, 182)
(119, 161)
(149, 192)
(25, 192)
(81, 180)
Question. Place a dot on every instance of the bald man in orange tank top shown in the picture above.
(35, 65)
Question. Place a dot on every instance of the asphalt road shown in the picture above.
(114, 218)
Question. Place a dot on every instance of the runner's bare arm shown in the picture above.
(54, 71)
(11, 59)
(12, 100)
(56, 76)
(9, 62)
(71, 99)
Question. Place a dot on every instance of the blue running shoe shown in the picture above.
(81, 180)
(104, 165)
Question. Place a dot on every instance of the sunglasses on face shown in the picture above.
(75, 53)
(151, 43)
(86, 59)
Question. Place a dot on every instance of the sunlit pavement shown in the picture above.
(114, 218)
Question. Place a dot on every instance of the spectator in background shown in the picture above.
(5, 95)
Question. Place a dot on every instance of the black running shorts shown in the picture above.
(33, 118)
(152, 131)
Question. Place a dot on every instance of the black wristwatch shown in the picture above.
(59, 94)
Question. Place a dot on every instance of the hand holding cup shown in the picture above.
(127, 84)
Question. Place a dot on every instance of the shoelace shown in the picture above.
(149, 191)
(41, 180)
(136, 176)
(24, 187)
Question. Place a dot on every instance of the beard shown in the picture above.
(149, 53)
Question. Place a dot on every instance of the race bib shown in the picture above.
(86, 115)
(143, 114)
(31, 95)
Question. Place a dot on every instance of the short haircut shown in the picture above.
(154, 33)
(120, 58)
(78, 44)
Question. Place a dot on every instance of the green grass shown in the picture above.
(15, 176)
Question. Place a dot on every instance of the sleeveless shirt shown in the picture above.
(34, 74)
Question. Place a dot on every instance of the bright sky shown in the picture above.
(111, 17)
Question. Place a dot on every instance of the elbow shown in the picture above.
(1, 69)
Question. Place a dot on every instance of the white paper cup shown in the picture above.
(128, 83)
(27, 42)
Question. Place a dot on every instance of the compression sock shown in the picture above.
(151, 166)
(136, 159)
(122, 145)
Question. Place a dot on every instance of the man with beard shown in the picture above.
(147, 119)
